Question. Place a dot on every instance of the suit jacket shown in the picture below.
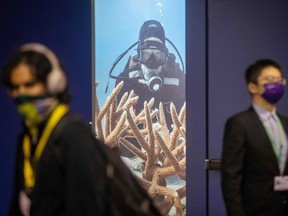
(249, 166)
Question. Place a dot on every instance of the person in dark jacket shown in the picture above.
(254, 157)
(61, 168)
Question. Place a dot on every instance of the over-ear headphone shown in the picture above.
(56, 80)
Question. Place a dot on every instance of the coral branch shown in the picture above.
(163, 123)
(110, 100)
(136, 132)
(114, 134)
(168, 153)
(162, 152)
(132, 148)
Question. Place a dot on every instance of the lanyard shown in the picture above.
(29, 173)
(274, 145)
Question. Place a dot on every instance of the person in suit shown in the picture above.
(254, 173)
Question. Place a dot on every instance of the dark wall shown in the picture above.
(222, 38)
(196, 103)
(240, 32)
(65, 27)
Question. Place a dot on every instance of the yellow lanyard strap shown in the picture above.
(29, 174)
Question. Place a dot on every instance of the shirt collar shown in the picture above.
(262, 113)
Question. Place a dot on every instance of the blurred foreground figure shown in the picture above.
(61, 168)
(254, 157)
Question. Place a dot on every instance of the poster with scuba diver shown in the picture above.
(139, 94)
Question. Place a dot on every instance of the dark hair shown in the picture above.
(254, 70)
(40, 66)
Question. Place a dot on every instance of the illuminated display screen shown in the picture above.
(140, 77)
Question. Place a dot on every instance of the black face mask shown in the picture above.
(28, 99)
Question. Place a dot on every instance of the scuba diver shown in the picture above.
(153, 72)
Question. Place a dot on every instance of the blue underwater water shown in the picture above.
(117, 25)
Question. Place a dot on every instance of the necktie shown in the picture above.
(279, 140)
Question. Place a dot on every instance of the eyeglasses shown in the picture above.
(146, 53)
(272, 79)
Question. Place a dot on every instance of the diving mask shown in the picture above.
(152, 58)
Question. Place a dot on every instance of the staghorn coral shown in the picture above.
(162, 153)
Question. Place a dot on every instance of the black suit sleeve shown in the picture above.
(232, 167)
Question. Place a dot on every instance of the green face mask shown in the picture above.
(29, 111)
(27, 106)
